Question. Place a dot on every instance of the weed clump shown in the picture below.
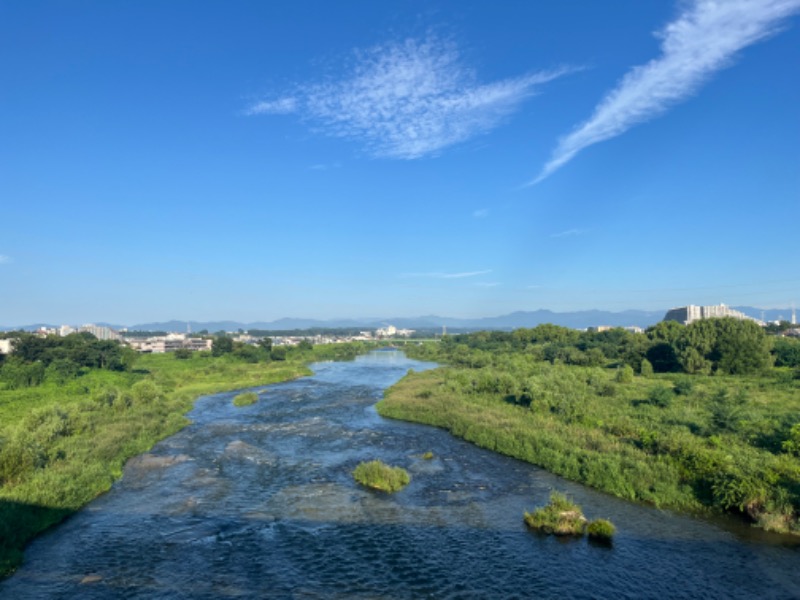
(245, 399)
(565, 518)
(560, 517)
(380, 476)
(601, 530)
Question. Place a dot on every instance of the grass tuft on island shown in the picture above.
(601, 530)
(380, 476)
(245, 399)
(560, 517)
(565, 518)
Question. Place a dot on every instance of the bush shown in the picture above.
(646, 370)
(624, 374)
(245, 399)
(684, 386)
(380, 476)
(660, 396)
(601, 530)
(560, 517)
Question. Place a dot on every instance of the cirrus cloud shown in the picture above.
(407, 100)
(702, 40)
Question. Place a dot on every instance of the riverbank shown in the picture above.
(711, 446)
(63, 445)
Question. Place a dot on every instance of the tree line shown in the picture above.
(723, 346)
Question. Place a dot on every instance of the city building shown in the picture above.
(6, 346)
(692, 313)
(100, 332)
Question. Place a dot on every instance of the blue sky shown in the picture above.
(258, 160)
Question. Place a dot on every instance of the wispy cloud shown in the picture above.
(407, 99)
(4, 259)
(702, 40)
(440, 275)
(281, 106)
(325, 166)
(568, 233)
(481, 213)
(487, 284)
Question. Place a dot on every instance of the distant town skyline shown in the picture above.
(327, 161)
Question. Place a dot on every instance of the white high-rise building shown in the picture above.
(692, 313)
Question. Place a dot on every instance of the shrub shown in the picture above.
(146, 391)
(560, 517)
(601, 530)
(380, 476)
(245, 399)
(624, 374)
(660, 396)
(683, 387)
(646, 369)
(428, 455)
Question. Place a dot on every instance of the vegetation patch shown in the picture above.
(380, 476)
(601, 530)
(675, 438)
(560, 517)
(245, 399)
(428, 455)
(73, 410)
(565, 518)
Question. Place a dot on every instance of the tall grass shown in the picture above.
(717, 444)
(61, 445)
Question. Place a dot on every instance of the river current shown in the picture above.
(259, 502)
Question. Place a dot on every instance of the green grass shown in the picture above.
(380, 476)
(718, 444)
(245, 399)
(560, 517)
(601, 530)
(63, 445)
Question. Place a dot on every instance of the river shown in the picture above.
(259, 502)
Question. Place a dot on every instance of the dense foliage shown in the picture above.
(573, 403)
(58, 359)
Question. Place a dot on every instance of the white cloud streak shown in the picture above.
(281, 106)
(4, 259)
(568, 233)
(407, 100)
(702, 40)
(481, 213)
(440, 275)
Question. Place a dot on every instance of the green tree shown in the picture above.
(222, 344)
(266, 344)
(787, 352)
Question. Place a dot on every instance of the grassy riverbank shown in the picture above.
(61, 445)
(699, 443)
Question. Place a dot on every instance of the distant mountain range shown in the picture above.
(577, 320)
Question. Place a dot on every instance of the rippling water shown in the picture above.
(260, 502)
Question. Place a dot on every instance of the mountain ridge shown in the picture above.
(574, 319)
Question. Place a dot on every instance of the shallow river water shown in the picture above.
(259, 502)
